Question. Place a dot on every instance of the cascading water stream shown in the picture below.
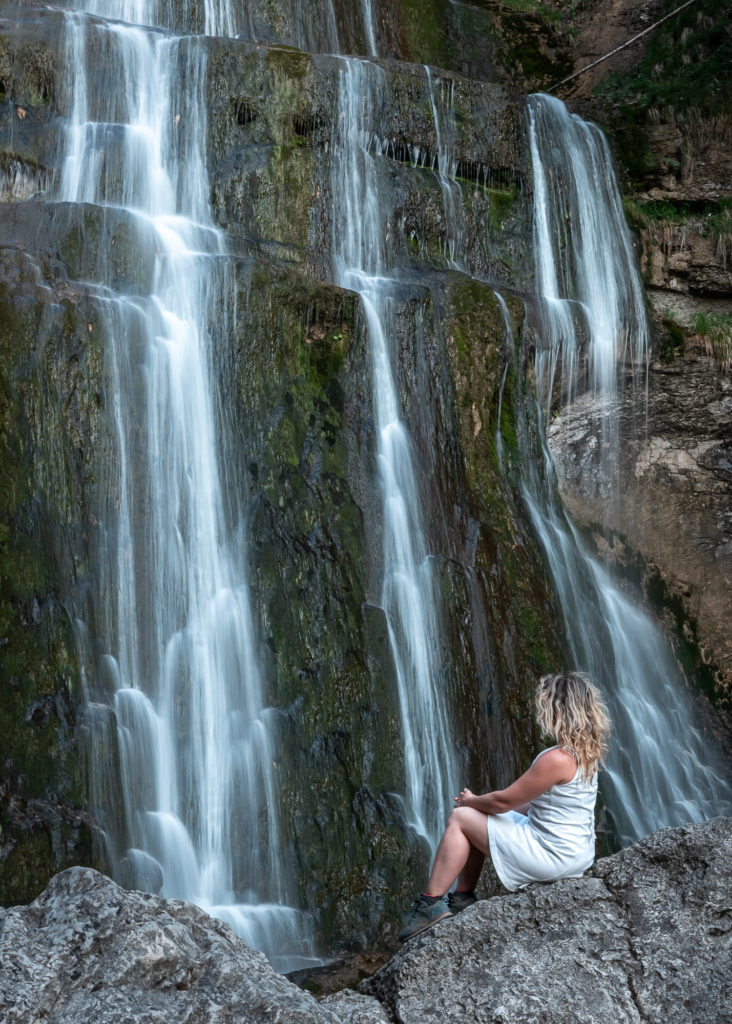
(178, 650)
(441, 100)
(408, 588)
(664, 769)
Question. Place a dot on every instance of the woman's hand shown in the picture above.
(464, 798)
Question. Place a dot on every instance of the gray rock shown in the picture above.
(644, 938)
(355, 1008)
(87, 950)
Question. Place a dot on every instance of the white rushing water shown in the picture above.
(361, 263)
(175, 632)
(664, 768)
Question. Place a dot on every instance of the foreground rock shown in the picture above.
(645, 939)
(87, 950)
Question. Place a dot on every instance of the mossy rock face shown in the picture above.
(502, 624)
(28, 63)
(423, 35)
(271, 130)
(266, 199)
(49, 409)
(307, 445)
(296, 379)
(523, 42)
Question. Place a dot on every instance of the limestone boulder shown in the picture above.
(644, 937)
(87, 950)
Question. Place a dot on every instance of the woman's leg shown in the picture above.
(468, 877)
(462, 851)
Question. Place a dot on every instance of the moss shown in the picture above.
(287, 63)
(533, 45)
(424, 26)
(634, 149)
(503, 205)
(533, 635)
(48, 400)
(485, 372)
(477, 328)
(671, 341)
(303, 389)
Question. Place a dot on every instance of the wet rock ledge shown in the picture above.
(644, 937)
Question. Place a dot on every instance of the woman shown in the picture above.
(539, 829)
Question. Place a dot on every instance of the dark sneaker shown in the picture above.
(458, 901)
(423, 913)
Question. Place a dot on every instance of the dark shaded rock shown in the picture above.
(49, 416)
(644, 938)
(271, 125)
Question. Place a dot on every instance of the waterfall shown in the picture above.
(361, 263)
(175, 647)
(664, 769)
(369, 28)
(445, 166)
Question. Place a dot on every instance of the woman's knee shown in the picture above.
(473, 825)
(460, 817)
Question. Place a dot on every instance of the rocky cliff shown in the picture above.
(644, 937)
(663, 102)
(295, 380)
(296, 397)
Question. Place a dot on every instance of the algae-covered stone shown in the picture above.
(48, 407)
(501, 617)
(308, 450)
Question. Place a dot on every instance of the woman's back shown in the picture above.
(564, 816)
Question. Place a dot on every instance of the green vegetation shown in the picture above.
(425, 29)
(669, 221)
(503, 204)
(686, 69)
(549, 14)
(716, 329)
(671, 340)
(713, 218)
(684, 76)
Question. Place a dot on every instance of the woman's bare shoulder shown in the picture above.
(558, 761)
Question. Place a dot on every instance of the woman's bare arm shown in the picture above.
(550, 769)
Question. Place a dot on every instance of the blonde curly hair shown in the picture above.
(570, 709)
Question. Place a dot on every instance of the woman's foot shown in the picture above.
(424, 912)
(458, 901)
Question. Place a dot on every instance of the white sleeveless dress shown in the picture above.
(556, 839)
